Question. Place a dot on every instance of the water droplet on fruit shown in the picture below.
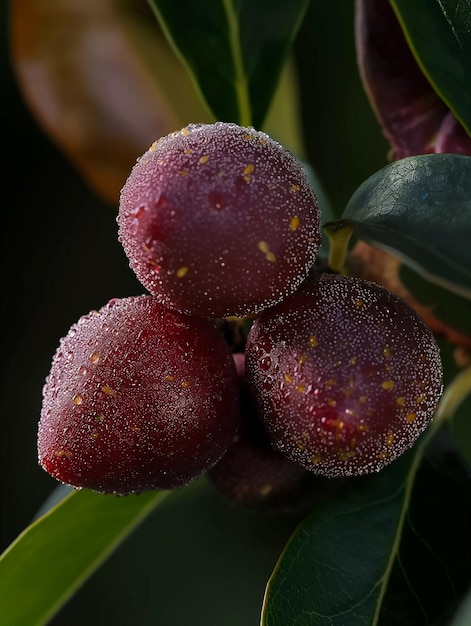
(265, 363)
(162, 202)
(217, 200)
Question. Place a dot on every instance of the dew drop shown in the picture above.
(265, 363)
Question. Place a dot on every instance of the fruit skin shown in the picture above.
(346, 376)
(251, 473)
(219, 220)
(138, 397)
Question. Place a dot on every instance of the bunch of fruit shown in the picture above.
(338, 376)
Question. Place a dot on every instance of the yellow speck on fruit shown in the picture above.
(153, 147)
(265, 248)
(94, 435)
(183, 172)
(420, 398)
(303, 359)
(383, 455)
(204, 159)
(330, 383)
(247, 137)
(295, 188)
(400, 401)
(362, 428)
(77, 399)
(185, 384)
(313, 341)
(170, 377)
(390, 439)
(411, 417)
(188, 151)
(99, 418)
(352, 360)
(294, 223)
(316, 459)
(300, 388)
(185, 131)
(359, 302)
(221, 173)
(387, 385)
(108, 390)
(182, 271)
(263, 140)
(387, 351)
(332, 402)
(249, 169)
(288, 378)
(348, 454)
(362, 399)
(61, 453)
(135, 429)
(94, 357)
(337, 423)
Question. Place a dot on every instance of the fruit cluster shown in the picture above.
(338, 376)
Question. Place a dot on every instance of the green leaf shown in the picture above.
(52, 558)
(463, 615)
(374, 556)
(419, 209)
(439, 34)
(335, 568)
(235, 50)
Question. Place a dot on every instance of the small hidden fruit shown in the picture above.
(252, 473)
(138, 397)
(219, 220)
(346, 376)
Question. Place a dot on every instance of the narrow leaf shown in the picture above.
(235, 50)
(335, 568)
(439, 34)
(52, 558)
(373, 554)
(419, 209)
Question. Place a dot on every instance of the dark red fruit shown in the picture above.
(138, 397)
(252, 473)
(346, 375)
(219, 220)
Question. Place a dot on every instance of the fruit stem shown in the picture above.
(454, 394)
(339, 235)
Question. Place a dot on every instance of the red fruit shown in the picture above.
(252, 473)
(346, 376)
(219, 220)
(138, 397)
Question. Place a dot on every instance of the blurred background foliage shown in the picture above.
(61, 257)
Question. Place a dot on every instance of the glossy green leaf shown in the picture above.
(335, 568)
(372, 555)
(52, 558)
(235, 50)
(439, 34)
(419, 209)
